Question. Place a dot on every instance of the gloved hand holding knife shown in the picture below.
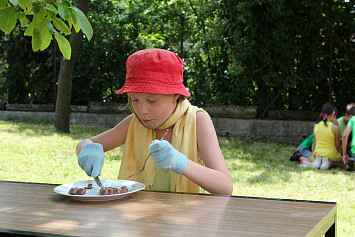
(91, 159)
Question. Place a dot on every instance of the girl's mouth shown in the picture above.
(146, 121)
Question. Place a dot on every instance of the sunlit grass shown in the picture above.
(34, 152)
(262, 168)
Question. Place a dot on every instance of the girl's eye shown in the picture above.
(151, 101)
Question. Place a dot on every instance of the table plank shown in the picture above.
(32, 207)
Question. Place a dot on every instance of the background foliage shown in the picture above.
(234, 52)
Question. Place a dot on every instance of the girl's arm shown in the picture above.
(214, 176)
(345, 143)
(313, 147)
(314, 142)
(335, 129)
(109, 139)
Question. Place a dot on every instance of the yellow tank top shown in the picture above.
(325, 141)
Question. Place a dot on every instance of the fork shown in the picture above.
(147, 157)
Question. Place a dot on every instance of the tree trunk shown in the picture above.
(62, 109)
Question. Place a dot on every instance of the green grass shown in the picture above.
(34, 152)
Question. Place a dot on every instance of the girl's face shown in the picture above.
(153, 109)
(332, 117)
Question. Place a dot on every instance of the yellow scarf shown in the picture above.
(183, 139)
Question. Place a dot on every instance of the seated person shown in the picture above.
(349, 157)
(304, 150)
(342, 123)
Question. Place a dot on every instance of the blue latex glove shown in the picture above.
(166, 156)
(91, 159)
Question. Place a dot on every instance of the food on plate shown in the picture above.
(103, 190)
(124, 189)
(81, 191)
(77, 191)
(89, 186)
(72, 191)
(112, 190)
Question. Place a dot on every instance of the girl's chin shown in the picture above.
(149, 125)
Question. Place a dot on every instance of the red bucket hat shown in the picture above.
(154, 71)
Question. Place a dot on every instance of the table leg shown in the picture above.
(331, 231)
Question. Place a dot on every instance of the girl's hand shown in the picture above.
(91, 159)
(345, 159)
(166, 156)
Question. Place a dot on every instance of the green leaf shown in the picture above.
(29, 29)
(36, 40)
(23, 19)
(61, 26)
(84, 23)
(26, 5)
(64, 10)
(63, 44)
(50, 28)
(8, 19)
(3, 4)
(50, 12)
(19, 15)
(37, 21)
(70, 22)
(14, 2)
(73, 21)
(39, 16)
(76, 26)
(46, 37)
(46, 41)
(52, 8)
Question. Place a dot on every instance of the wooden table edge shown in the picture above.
(203, 194)
(326, 225)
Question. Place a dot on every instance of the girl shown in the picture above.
(186, 158)
(326, 139)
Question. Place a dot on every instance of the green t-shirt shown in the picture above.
(307, 143)
(342, 127)
(351, 124)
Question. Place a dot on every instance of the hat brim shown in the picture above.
(156, 89)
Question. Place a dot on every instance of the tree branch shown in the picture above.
(40, 3)
(192, 6)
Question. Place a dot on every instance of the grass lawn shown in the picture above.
(34, 152)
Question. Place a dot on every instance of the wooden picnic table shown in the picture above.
(35, 209)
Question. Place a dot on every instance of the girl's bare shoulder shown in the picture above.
(202, 118)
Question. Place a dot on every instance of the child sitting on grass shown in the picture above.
(343, 122)
(326, 139)
(349, 160)
(304, 150)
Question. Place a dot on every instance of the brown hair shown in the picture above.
(129, 101)
(327, 109)
(350, 107)
(352, 110)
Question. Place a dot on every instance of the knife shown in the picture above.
(98, 181)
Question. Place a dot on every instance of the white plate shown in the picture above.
(93, 195)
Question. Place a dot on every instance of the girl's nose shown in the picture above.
(143, 108)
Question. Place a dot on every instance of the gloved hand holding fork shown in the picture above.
(166, 156)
